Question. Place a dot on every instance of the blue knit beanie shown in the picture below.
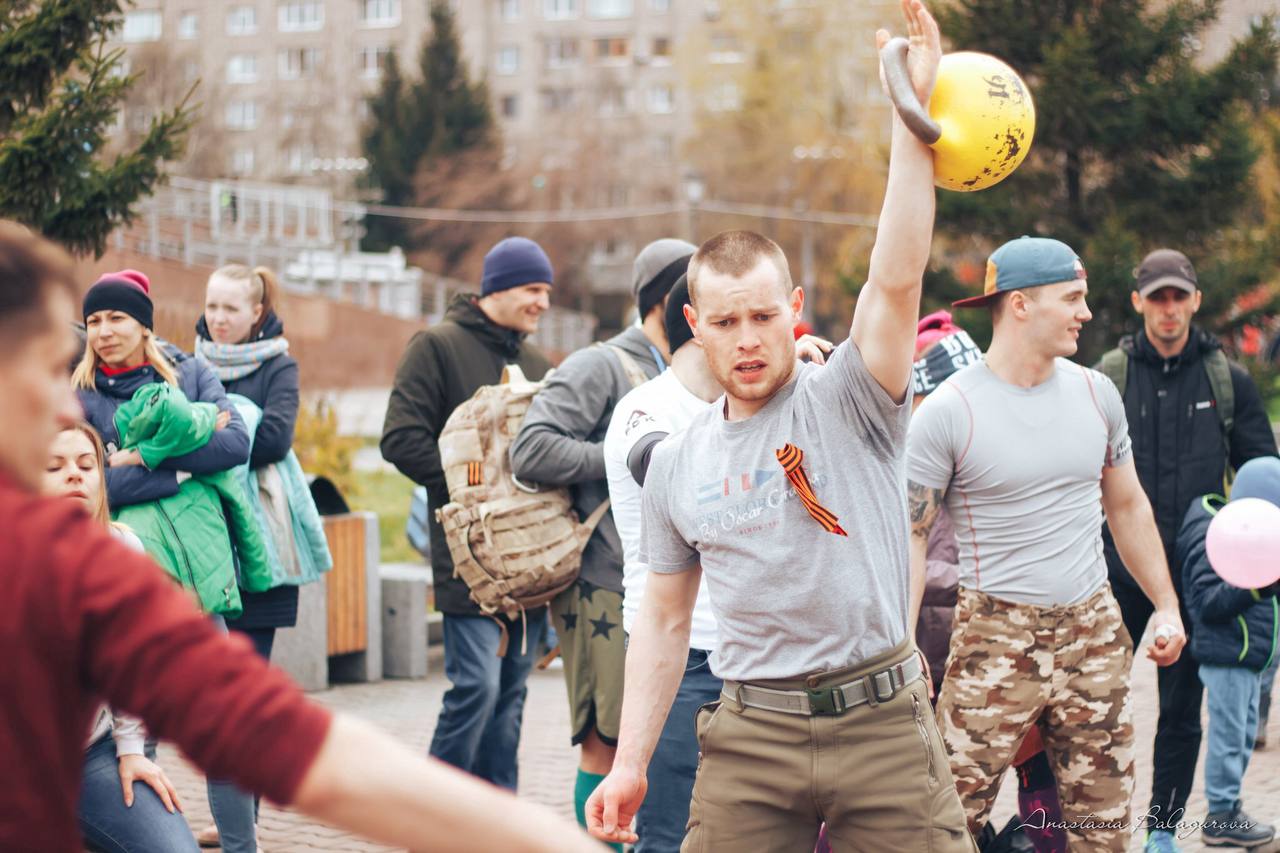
(513, 262)
(1258, 478)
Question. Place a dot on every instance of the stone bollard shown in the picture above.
(404, 620)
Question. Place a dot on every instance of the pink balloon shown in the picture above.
(1243, 543)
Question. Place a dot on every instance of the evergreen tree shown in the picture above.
(58, 96)
(440, 115)
(1137, 146)
(392, 156)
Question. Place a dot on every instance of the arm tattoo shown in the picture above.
(923, 503)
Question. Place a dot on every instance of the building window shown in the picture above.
(509, 10)
(189, 25)
(662, 99)
(559, 10)
(298, 159)
(121, 67)
(609, 8)
(242, 115)
(508, 60)
(190, 70)
(242, 20)
(379, 13)
(614, 101)
(557, 100)
(660, 6)
(242, 161)
(301, 17)
(510, 106)
(726, 49)
(661, 49)
(612, 50)
(663, 147)
(242, 68)
(563, 52)
(373, 61)
(297, 62)
(140, 120)
(142, 25)
(724, 97)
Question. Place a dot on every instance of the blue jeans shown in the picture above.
(479, 726)
(233, 810)
(1233, 723)
(109, 826)
(661, 821)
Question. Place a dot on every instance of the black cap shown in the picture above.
(1165, 268)
(677, 327)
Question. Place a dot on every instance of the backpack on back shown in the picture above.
(516, 546)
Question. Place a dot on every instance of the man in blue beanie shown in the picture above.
(479, 726)
(1233, 637)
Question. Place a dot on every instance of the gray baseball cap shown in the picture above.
(1165, 268)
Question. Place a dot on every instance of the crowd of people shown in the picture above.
(835, 590)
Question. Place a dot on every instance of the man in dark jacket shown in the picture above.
(1233, 637)
(1174, 378)
(479, 725)
(561, 443)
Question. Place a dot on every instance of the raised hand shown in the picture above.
(926, 48)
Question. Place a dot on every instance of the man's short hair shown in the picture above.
(29, 267)
(736, 253)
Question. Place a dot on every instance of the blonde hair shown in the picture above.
(264, 289)
(736, 253)
(83, 377)
(101, 511)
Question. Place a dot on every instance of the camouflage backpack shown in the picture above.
(515, 545)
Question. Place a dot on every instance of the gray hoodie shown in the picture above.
(561, 442)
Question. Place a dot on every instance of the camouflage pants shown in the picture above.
(1012, 666)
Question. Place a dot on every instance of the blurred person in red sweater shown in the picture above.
(90, 620)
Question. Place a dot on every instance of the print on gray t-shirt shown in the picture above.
(1022, 471)
(790, 598)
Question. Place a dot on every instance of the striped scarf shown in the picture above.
(791, 459)
(236, 361)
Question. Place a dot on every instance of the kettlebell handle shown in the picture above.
(898, 80)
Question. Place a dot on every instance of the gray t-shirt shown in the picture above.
(790, 598)
(1022, 471)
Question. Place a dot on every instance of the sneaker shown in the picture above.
(1234, 828)
(1159, 841)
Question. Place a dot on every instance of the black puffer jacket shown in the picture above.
(1178, 442)
(441, 368)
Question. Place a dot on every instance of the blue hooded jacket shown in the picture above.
(133, 484)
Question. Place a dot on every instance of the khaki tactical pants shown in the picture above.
(877, 775)
(1013, 665)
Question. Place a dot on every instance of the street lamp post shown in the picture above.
(693, 193)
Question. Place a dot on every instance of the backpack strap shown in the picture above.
(634, 374)
(1224, 393)
(1115, 366)
(512, 375)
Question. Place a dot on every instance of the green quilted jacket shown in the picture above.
(207, 533)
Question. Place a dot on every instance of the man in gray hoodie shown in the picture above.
(561, 443)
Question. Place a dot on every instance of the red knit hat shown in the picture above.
(138, 278)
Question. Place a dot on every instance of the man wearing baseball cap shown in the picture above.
(1192, 416)
(561, 443)
(1024, 448)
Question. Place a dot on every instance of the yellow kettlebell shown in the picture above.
(980, 122)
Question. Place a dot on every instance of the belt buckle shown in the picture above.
(825, 702)
(874, 697)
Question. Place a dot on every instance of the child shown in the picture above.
(1234, 639)
(115, 815)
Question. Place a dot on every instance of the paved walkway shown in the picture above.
(407, 709)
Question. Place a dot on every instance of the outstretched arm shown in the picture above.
(884, 321)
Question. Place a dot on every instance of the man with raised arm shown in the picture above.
(788, 493)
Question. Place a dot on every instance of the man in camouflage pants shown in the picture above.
(1025, 447)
